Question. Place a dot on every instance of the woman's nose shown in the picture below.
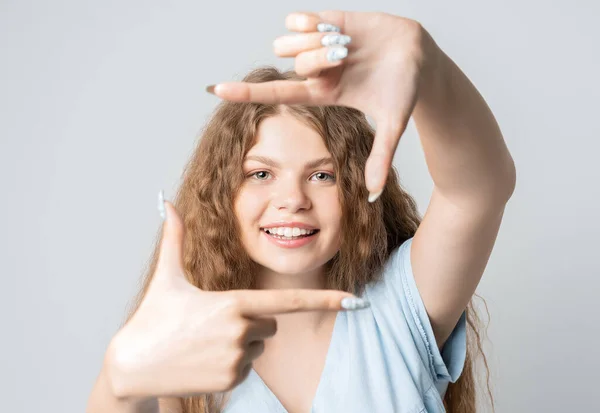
(291, 196)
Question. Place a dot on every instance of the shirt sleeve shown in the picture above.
(447, 365)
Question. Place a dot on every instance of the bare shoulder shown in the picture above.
(170, 405)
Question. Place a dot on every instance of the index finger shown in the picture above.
(274, 92)
(268, 302)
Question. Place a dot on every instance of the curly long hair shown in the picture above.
(214, 257)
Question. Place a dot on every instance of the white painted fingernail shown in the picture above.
(161, 205)
(354, 303)
(326, 27)
(373, 197)
(336, 53)
(332, 39)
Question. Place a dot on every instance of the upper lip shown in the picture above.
(290, 225)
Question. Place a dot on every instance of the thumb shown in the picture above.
(170, 258)
(387, 136)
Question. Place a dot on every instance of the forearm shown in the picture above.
(103, 399)
(464, 149)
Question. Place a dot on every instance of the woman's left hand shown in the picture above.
(386, 60)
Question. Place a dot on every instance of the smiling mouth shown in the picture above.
(283, 237)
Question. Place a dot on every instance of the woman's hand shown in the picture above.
(183, 341)
(380, 76)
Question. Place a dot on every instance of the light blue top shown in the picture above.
(380, 359)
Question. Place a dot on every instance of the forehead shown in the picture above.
(286, 136)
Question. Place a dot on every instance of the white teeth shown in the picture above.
(288, 231)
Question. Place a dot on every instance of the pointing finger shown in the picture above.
(273, 92)
(269, 302)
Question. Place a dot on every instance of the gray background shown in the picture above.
(100, 106)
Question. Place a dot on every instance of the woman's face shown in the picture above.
(283, 188)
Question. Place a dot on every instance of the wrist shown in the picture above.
(435, 78)
(105, 398)
(120, 378)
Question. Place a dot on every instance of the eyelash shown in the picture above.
(326, 173)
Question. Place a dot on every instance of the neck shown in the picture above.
(269, 280)
(299, 322)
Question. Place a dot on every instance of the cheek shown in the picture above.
(330, 210)
(248, 207)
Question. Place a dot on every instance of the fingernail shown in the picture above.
(332, 39)
(326, 27)
(354, 303)
(374, 196)
(161, 205)
(336, 53)
(211, 89)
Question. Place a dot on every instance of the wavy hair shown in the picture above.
(214, 257)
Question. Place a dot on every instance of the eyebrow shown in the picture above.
(273, 163)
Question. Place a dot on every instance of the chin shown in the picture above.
(289, 267)
(291, 261)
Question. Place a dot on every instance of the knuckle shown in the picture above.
(238, 330)
(245, 371)
(233, 303)
(273, 326)
(300, 66)
(333, 303)
(319, 58)
(297, 302)
(238, 376)
(261, 347)
(229, 380)
(258, 348)
(236, 360)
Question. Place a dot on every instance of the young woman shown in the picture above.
(272, 234)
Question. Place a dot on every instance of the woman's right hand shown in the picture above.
(183, 341)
